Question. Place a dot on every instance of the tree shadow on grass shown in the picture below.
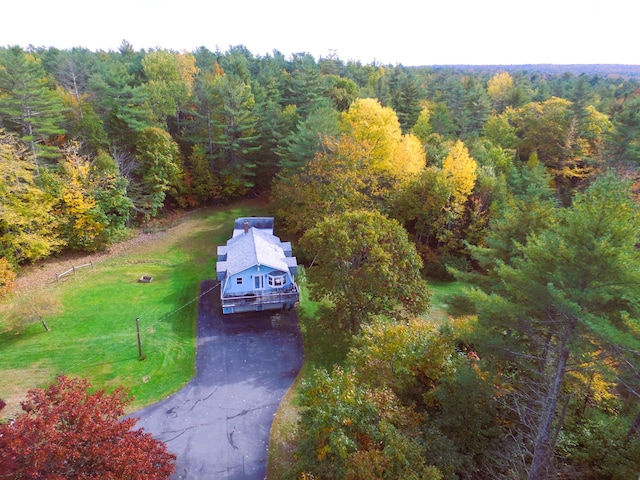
(326, 342)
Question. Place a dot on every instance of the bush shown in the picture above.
(7, 277)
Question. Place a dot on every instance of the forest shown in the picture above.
(521, 183)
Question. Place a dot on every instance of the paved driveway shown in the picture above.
(218, 424)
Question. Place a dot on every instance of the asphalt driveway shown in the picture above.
(218, 425)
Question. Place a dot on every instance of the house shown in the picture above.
(255, 269)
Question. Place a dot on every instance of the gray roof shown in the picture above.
(256, 247)
(263, 223)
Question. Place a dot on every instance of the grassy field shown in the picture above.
(94, 334)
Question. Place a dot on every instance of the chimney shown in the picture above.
(246, 226)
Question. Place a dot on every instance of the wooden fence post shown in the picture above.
(141, 356)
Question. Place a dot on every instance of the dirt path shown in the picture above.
(44, 272)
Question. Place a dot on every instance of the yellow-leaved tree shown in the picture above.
(460, 171)
(409, 156)
(170, 80)
(499, 89)
(377, 129)
(83, 222)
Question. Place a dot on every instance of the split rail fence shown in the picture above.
(73, 270)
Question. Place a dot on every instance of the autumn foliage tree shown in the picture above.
(365, 264)
(7, 277)
(28, 226)
(68, 432)
(377, 128)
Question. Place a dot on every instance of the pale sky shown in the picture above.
(408, 32)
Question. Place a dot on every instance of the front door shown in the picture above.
(258, 282)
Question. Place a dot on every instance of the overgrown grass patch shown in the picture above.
(441, 294)
(94, 334)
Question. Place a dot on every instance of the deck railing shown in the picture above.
(266, 298)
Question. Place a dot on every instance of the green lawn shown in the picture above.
(94, 336)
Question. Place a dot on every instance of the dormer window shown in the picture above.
(276, 279)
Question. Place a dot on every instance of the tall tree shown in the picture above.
(28, 225)
(158, 169)
(460, 171)
(29, 104)
(405, 97)
(300, 146)
(93, 207)
(170, 79)
(305, 85)
(567, 147)
(235, 138)
(499, 89)
(119, 98)
(338, 179)
(377, 129)
(476, 108)
(624, 138)
(566, 297)
(342, 91)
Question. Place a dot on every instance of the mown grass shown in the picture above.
(325, 348)
(94, 335)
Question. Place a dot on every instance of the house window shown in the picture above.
(239, 281)
(276, 279)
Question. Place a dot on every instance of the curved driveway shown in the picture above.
(218, 425)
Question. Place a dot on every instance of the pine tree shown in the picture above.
(566, 296)
(29, 104)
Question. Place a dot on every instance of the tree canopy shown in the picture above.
(68, 432)
(365, 264)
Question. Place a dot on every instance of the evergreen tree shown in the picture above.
(405, 97)
(300, 146)
(29, 104)
(305, 85)
(119, 98)
(235, 138)
(565, 297)
(624, 139)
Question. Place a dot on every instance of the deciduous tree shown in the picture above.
(499, 88)
(28, 226)
(365, 264)
(7, 277)
(459, 170)
(377, 129)
(158, 169)
(566, 146)
(338, 179)
(170, 79)
(67, 432)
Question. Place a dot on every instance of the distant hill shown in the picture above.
(628, 71)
